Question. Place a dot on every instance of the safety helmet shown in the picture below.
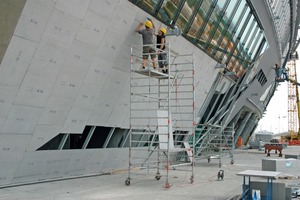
(163, 30)
(148, 24)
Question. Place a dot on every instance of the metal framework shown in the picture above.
(161, 116)
(214, 142)
(293, 102)
(292, 105)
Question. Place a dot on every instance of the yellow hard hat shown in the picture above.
(148, 24)
(163, 30)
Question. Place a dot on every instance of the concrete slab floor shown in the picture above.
(144, 186)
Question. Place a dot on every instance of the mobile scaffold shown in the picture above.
(161, 116)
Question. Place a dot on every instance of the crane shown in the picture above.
(293, 99)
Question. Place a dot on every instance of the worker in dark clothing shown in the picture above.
(162, 54)
(279, 72)
(148, 48)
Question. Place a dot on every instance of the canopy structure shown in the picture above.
(269, 175)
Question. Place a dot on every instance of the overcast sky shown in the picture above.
(276, 117)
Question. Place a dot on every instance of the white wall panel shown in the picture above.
(98, 72)
(21, 119)
(111, 46)
(7, 172)
(78, 61)
(123, 59)
(115, 82)
(55, 166)
(65, 89)
(61, 29)
(103, 109)
(34, 19)
(31, 168)
(87, 97)
(92, 29)
(76, 120)
(55, 112)
(34, 90)
(78, 162)
(12, 147)
(95, 160)
(7, 96)
(16, 61)
(76, 9)
(105, 8)
(123, 20)
(116, 158)
(41, 165)
(48, 60)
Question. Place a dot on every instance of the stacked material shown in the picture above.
(288, 167)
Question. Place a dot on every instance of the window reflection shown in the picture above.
(217, 25)
(186, 13)
(148, 5)
(226, 29)
(198, 20)
(168, 11)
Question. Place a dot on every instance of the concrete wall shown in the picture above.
(279, 190)
(67, 66)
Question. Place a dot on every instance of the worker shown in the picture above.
(281, 73)
(278, 71)
(147, 36)
(162, 54)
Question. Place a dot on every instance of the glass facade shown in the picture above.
(227, 30)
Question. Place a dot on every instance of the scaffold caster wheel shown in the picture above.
(157, 176)
(127, 182)
(232, 162)
(167, 185)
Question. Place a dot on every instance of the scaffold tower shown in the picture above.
(161, 116)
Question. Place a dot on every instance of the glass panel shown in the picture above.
(227, 40)
(240, 26)
(237, 33)
(265, 47)
(255, 46)
(168, 10)
(247, 37)
(226, 21)
(246, 32)
(186, 13)
(216, 19)
(147, 5)
(205, 31)
(199, 19)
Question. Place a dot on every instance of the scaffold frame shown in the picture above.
(162, 115)
(215, 141)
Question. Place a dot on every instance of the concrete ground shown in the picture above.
(112, 187)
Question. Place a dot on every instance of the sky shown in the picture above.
(276, 116)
